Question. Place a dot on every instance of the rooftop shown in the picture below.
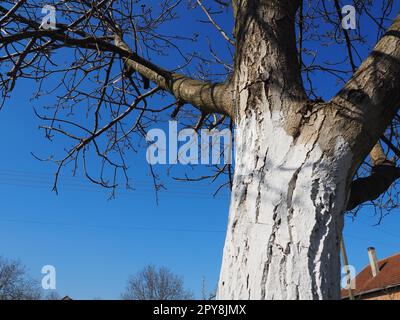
(388, 277)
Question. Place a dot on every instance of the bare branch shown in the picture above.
(221, 31)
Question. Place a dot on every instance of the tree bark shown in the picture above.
(286, 214)
(295, 159)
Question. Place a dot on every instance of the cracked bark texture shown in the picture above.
(295, 158)
(285, 215)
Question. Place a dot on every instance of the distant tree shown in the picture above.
(15, 283)
(156, 284)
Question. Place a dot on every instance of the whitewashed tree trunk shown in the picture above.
(290, 183)
(285, 216)
(295, 158)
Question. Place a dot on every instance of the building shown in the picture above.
(380, 280)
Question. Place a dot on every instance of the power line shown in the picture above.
(143, 188)
(120, 193)
(118, 227)
(29, 175)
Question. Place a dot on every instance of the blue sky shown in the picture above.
(96, 243)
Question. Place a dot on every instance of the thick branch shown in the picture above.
(370, 188)
(371, 98)
(206, 96)
(367, 105)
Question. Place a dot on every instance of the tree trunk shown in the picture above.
(285, 216)
(292, 170)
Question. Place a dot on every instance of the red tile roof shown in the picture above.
(388, 276)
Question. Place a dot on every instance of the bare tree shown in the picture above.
(15, 283)
(296, 154)
(156, 284)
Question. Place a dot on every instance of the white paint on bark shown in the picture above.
(285, 215)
